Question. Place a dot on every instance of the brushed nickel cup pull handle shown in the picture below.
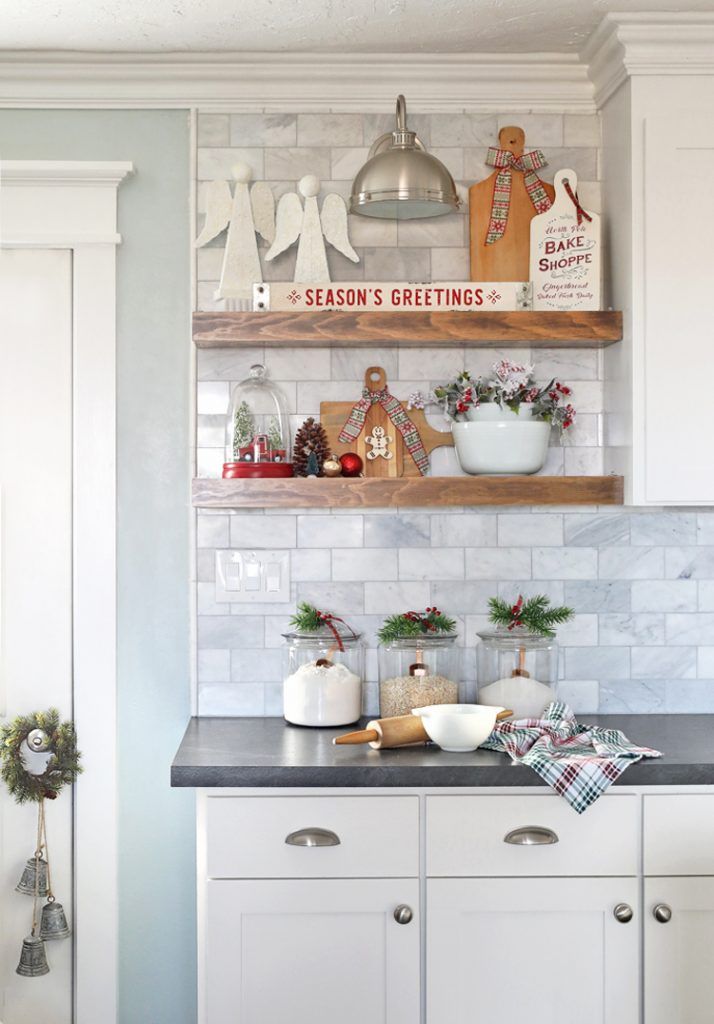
(623, 913)
(313, 837)
(662, 913)
(403, 914)
(531, 835)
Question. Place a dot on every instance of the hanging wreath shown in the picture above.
(40, 732)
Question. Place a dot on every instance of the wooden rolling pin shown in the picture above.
(401, 731)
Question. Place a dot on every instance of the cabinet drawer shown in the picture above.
(466, 836)
(246, 837)
(679, 834)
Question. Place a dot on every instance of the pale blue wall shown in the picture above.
(156, 847)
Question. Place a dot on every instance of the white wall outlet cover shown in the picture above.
(252, 575)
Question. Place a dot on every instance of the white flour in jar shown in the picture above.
(322, 695)
(525, 697)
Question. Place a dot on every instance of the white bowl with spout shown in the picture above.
(459, 728)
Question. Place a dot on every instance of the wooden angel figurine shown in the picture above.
(244, 213)
(502, 206)
(307, 223)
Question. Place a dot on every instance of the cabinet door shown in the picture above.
(678, 319)
(546, 951)
(679, 980)
(310, 952)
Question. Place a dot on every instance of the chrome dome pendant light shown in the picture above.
(400, 180)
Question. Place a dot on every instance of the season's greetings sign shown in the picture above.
(356, 296)
(565, 251)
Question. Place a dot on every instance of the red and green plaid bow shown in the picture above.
(395, 410)
(528, 164)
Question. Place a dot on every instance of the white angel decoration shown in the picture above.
(244, 213)
(309, 225)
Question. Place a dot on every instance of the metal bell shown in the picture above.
(33, 961)
(35, 871)
(53, 923)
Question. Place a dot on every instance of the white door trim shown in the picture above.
(73, 206)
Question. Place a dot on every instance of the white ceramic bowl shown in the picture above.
(458, 727)
(501, 447)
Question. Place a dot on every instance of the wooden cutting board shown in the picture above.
(333, 416)
(508, 259)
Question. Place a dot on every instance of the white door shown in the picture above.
(310, 952)
(679, 317)
(36, 594)
(679, 938)
(542, 950)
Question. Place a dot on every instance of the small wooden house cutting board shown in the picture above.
(508, 258)
(333, 416)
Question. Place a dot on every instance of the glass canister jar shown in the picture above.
(517, 670)
(323, 678)
(416, 671)
(257, 429)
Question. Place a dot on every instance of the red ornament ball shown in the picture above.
(351, 463)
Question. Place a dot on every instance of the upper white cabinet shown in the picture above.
(655, 83)
(678, 322)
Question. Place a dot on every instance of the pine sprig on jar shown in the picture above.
(535, 615)
(429, 622)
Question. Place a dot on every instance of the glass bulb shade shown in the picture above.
(400, 180)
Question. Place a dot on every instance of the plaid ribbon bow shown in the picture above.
(529, 163)
(395, 410)
(578, 761)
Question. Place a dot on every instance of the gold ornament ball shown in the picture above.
(332, 466)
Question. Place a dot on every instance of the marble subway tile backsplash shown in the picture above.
(640, 580)
(637, 643)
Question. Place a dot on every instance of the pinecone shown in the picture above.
(310, 449)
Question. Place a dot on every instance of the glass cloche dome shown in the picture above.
(257, 429)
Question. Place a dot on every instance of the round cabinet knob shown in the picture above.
(403, 914)
(662, 913)
(623, 913)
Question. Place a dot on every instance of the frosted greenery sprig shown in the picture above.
(408, 624)
(536, 614)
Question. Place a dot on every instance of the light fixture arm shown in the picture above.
(401, 113)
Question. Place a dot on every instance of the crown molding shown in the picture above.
(70, 173)
(626, 45)
(265, 82)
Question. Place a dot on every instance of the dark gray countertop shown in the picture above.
(268, 752)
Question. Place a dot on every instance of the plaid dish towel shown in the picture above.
(578, 761)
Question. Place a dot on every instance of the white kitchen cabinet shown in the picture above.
(310, 952)
(657, 169)
(518, 907)
(549, 951)
(678, 943)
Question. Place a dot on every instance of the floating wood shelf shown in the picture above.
(366, 492)
(408, 329)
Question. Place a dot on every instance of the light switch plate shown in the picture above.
(252, 575)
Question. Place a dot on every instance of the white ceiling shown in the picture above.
(367, 26)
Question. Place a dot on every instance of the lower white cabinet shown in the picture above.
(331, 951)
(678, 942)
(472, 907)
(542, 950)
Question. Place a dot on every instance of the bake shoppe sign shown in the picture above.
(565, 251)
(359, 296)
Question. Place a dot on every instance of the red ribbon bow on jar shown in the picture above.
(330, 620)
